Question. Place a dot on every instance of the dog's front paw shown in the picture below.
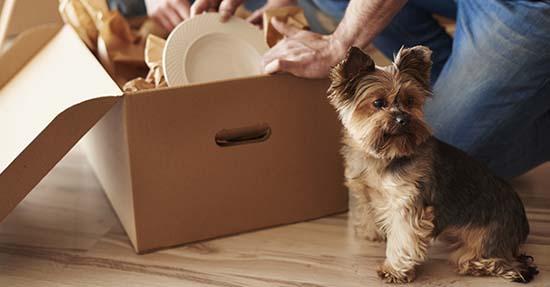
(390, 275)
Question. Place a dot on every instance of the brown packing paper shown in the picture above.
(97, 9)
(294, 22)
(119, 47)
(122, 45)
(154, 47)
(74, 13)
(138, 84)
(291, 15)
(149, 26)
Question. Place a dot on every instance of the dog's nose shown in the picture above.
(402, 119)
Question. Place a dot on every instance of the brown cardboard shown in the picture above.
(169, 159)
(17, 16)
(40, 120)
(293, 175)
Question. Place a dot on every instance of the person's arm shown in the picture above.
(310, 55)
(364, 20)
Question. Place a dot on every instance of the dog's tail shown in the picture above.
(522, 269)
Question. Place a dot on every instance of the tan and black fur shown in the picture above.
(408, 187)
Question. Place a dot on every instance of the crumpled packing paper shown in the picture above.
(291, 15)
(118, 45)
(154, 47)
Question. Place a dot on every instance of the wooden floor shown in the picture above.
(65, 234)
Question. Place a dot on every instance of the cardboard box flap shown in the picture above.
(17, 16)
(46, 107)
(23, 49)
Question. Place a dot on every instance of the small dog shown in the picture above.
(408, 187)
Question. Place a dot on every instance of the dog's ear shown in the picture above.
(344, 75)
(415, 62)
(355, 62)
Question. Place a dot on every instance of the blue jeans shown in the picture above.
(491, 83)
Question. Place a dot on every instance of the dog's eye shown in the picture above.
(410, 101)
(379, 103)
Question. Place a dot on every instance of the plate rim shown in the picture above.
(234, 27)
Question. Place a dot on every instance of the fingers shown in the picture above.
(227, 8)
(172, 16)
(163, 21)
(284, 50)
(168, 13)
(282, 65)
(284, 57)
(201, 6)
(292, 55)
(283, 28)
(182, 8)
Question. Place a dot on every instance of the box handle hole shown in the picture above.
(243, 135)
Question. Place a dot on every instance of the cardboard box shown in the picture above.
(177, 164)
(17, 16)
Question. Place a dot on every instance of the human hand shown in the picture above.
(225, 7)
(256, 17)
(302, 53)
(168, 13)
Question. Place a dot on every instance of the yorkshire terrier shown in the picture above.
(408, 187)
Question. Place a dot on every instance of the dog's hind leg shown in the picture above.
(473, 258)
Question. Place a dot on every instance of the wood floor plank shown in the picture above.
(65, 234)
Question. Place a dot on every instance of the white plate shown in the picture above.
(203, 49)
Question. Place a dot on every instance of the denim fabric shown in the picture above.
(491, 82)
(415, 25)
(129, 8)
(492, 98)
(333, 8)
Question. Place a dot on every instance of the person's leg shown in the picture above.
(524, 151)
(415, 25)
(492, 98)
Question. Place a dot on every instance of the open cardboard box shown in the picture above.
(178, 164)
